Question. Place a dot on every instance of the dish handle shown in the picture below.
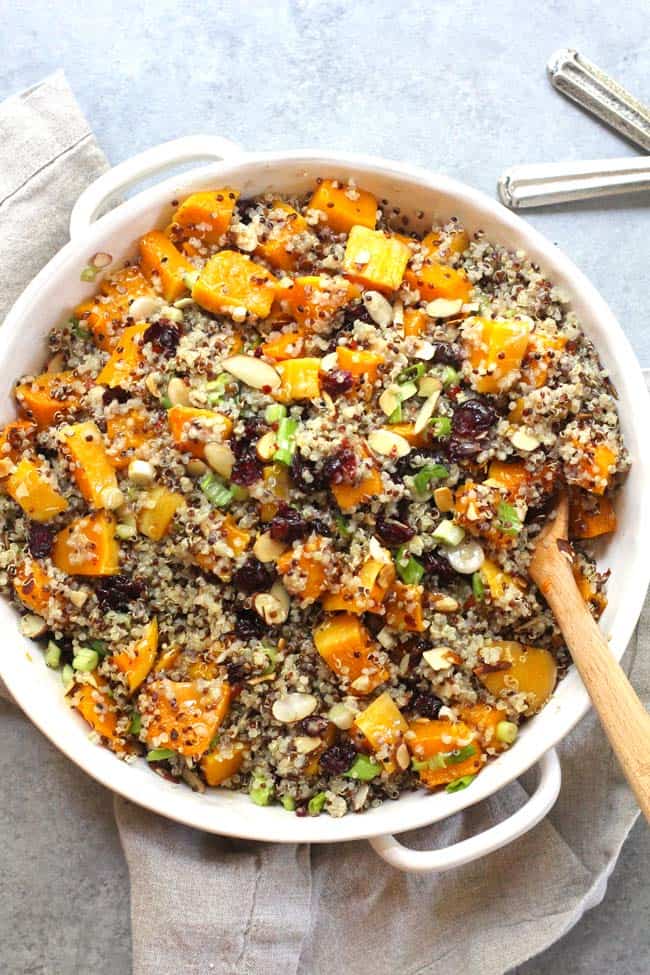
(190, 148)
(437, 861)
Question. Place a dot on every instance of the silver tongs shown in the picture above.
(547, 183)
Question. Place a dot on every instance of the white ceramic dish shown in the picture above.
(58, 288)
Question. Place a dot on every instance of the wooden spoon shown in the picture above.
(623, 717)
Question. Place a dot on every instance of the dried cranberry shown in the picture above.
(393, 533)
(164, 336)
(246, 470)
(473, 419)
(426, 705)
(115, 592)
(115, 394)
(237, 671)
(338, 758)
(336, 382)
(448, 354)
(438, 566)
(314, 726)
(341, 467)
(252, 576)
(306, 476)
(40, 541)
(288, 525)
(248, 625)
(356, 313)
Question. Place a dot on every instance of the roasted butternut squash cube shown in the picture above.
(350, 496)
(230, 281)
(97, 707)
(343, 206)
(404, 608)
(345, 646)
(383, 726)
(303, 570)
(312, 300)
(33, 490)
(288, 345)
(443, 244)
(594, 467)
(443, 751)
(434, 280)
(87, 547)
(375, 258)
(497, 579)
(15, 439)
(183, 715)
(277, 484)
(359, 362)
(590, 515)
(495, 349)
(206, 215)
(407, 430)
(543, 351)
(278, 247)
(367, 591)
(415, 322)
(224, 761)
(126, 358)
(512, 475)
(33, 586)
(48, 396)
(300, 380)
(164, 265)
(231, 541)
(485, 719)
(192, 428)
(107, 314)
(596, 600)
(531, 671)
(126, 434)
(157, 513)
(91, 467)
(136, 661)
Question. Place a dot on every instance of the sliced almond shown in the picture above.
(195, 467)
(144, 307)
(439, 658)
(426, 412)
(178, 393)
(342, 715)
(425, 350)
(112, 498)
(252, 371)
(379, 308)
(398, 313)
(443, 307)
(361, 684)
(444, 499)
(268, 608)
(266, 446)
(304, 744)
(377, 551)
(267, 549)
(293, 707)
(445, 604)
(428, 385)
(220, 458)
(388, 444)
(403, 757)
(280, 593)
(329, 362)
(390, 399)
(32, 626)
(524, 441)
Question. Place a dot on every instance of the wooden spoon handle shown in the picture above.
(621, 713)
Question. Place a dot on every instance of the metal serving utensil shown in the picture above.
(545, 184)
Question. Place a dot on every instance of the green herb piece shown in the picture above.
(448, 533)
(411, 374)
(260, 790)
(275, 413)
(238, 492)
(217, 493)
(477, 587)
(286, 440)
(165, 402)
(428, 473)
(507, 732)
(316, 804)
(160, 754)
(89, 273)
(53, 655)
(397, 414)
(99, 646)
(216, 389)
(407, 390)
(80, 332)
(459, 784)
(459, 755)
(67, 677)
(450, 376)
(136, 723)
(443, 759)
(272, 654)
(343, 526)
(288, 803)
(509, 519)
(85, 659)
(441, 426)
(409, 569)
(363, 768)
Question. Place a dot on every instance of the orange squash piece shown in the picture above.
(442, 244)
(367, 591)
(415, 322)
(540, 356)
(164, 265)
(278, 483)
(236, 538)
(287, 345)
(496, 348)
(106, 315)
(97, 707)
(91, 467)
(166, 660)
(230, 281)
(126, 434)
(313, 299)
(47, 396)
(383, 726)
(304, 572)
(404, 608)
(485, 720)
(375, 259)
(497, 580)
(512, 475)
(345, 646)
(15, 438)
(87, 547)
(192, 428)
(300, 380)
(439, 742)
(183, 715)
(224, 761)
(591, 516)
(350, 496)
(33, 586)
(434, 280)
(277, 249)
(137, 661)
(343, 207)
(359, 362)
(125, 359)
(157, 513)
(407, 430)
(33, 491)
(532, 671)
(596, 601)
(594, 467)
(206, 215)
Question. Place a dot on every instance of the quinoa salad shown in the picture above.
(270, 506)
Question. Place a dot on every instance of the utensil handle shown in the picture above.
(622, 715)
(127, 174)
(544, 184)
(437, 861)
(585, 83)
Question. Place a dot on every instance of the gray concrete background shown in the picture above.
(456, 86)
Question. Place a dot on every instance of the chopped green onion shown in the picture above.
(450, 376)
(428, 473)
(136, 723)
(260, 790)
(99, 646)
(286, 440)
(85, 659)
(448, 533)
(459, 784)
(67, 677)
(275, 413)
(238, 492)
(89, 273)
(165, 402)
(316, 804)
(363, 768)
(409, 569)
(509, 518)
(444, 759)
(216, 388)
(53, 655)
(79, 331)
(407, 390)
(343, 527)
(411, 374)
(272, 654)
(477, 587)
(160, 754)
(396, 415)
(217, 493)
(507, 732)
(441, 426)
(288, 803)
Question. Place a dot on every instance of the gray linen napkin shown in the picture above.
(203, 904)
